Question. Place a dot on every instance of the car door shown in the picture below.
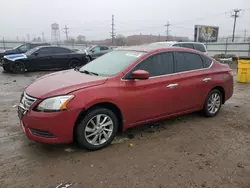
(154, 97)
(192, 86)
(44, 58)
(60, 58)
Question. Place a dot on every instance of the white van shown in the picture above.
(193, 45)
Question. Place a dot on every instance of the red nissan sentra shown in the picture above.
(122, 89)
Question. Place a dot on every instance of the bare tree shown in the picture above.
(81, 39)
(120, 40)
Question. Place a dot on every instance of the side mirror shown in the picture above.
(36, 53)
(140, 75)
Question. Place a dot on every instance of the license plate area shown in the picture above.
(21, 111)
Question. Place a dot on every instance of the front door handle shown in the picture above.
(172, 85)
(206, 79)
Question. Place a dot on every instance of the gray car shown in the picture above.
(96, 51)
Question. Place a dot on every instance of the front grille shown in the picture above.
(45, 134)
(27, 100)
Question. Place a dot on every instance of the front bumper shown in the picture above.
(51, 128)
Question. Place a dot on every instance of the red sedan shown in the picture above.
(122, 89)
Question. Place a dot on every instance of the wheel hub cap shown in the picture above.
(99, 129)
(214, 103)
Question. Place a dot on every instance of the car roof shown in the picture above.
(49, 46)
(38, 43)
(175, 42)
(151, 49)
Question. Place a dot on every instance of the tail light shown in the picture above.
(231, 72)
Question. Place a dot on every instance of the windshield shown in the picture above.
(88, 48)
(30, 52)
(112, 63)
(18, 46)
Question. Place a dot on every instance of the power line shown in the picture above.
(235, 15)
(113, 29)
(66, 31)
(167, 31)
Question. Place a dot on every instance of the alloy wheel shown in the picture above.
(214, 103)
(99, 129)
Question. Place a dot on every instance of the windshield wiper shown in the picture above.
(88, 72)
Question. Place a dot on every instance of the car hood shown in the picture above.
(62, 83)
(15, 57)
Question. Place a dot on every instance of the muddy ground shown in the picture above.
(183, 152)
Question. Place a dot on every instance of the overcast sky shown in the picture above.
(92, 18)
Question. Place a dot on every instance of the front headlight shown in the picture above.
(55, 103)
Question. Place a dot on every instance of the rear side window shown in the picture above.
(206, 62)
(185, 61)
(187, 45)
(61, 50)
(199, 47)
(159, 64)
(177, 45)
(102, 48)
(45, 51)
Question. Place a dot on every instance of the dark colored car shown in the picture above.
(44, 58)
(23, 48)
(96, 51)
(122, 89)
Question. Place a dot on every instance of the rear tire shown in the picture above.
(97, 129)
(74, 63)
(213, 103)
(18, 67)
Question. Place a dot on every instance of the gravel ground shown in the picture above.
(187, 151)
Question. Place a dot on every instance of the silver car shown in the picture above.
(96, 51)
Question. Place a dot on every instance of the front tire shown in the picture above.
(18, 67)
(213, 103)
(97, 129)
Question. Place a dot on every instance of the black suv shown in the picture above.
(22, 48)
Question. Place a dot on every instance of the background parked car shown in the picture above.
(44, 58)
(96, 51)
(192, 45)
(23, 48)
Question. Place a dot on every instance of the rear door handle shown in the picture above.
(206, 79)
(172, 85)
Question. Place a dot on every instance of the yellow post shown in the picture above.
(243, 75)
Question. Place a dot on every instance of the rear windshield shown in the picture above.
(112, 63)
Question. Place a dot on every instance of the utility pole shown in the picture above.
(28, 37)
(167, 31)
(245, 34)
(235, 15)
(43, 36)
(113, 29)
(66, 31)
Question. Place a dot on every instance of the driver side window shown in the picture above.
(157, 65)
(96, 49)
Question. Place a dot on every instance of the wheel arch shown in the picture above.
(111, 106)
(222, 90)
